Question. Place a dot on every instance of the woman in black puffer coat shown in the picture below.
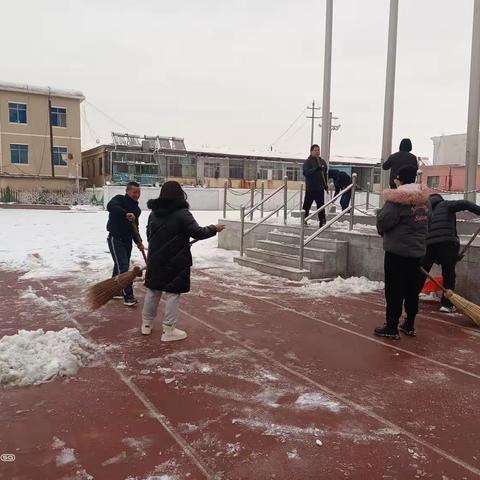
(170, 227)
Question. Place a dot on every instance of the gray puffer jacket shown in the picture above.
(403, 221)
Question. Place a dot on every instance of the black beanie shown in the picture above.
(406, 145)
(407, 174)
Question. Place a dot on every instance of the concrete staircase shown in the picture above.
(278, 255)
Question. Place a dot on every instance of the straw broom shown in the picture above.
(469, 309)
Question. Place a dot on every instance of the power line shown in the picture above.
(290, 126)
(108, 116)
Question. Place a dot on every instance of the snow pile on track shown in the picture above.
(33, 357)
(341, 287)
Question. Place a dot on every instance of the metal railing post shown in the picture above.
(242, 230)
(352, 211)
(285, 199)
(419, 176)
(301, 195)
(225, 193)
(368, 196)
(252, 198)
(262, 196)
(302, 240)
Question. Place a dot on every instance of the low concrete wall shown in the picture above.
(365, 254)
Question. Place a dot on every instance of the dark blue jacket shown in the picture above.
(118, 225)
(315, 173)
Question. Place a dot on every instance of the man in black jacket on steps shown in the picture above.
(443, 243)
(315, 173)
(123, 211)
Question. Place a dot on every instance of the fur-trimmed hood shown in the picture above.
(410, 194)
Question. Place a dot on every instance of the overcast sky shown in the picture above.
(236, 73)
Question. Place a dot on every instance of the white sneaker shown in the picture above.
(448, 309)
(146, 329)
(172, 334)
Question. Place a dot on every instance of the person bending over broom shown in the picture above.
(170, 227)
(403, 224)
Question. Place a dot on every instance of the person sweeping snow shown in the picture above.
(170, 227)
(403, 224)
(442, 241)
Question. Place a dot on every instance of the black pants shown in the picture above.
(445, 254)
(317, 196)
(402, 282)
(345, 200)
(121, 252)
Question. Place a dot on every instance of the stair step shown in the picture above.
(279, 258)
(277, 270)
(319, 242)
(312, 253)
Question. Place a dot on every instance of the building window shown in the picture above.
(212, 169)
(59, 117)
(270, 171)
(185, 167)
(18, 153)
(294, 174)
(235, 169)
(433, 182)
(17, 112)
(59, 156)
(100, 166)
(377, 173)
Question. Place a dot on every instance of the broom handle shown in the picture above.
(467, 246)
(433, 280)
(137, 234)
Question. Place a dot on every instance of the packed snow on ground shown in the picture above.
(33, 357)
(340, 287)
(51, 243)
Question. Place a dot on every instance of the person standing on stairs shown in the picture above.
(341, 180)
(170, 227)
(403, 224)
(315, 173)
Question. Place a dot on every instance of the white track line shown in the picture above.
(152, 410)
(340, 397)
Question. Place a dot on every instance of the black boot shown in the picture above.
(386, 331)
(407, 328)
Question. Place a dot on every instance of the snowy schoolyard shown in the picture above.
(277, 379)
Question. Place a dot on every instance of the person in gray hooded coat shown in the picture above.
(403, 224)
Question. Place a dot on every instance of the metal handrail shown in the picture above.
(352, 187)
(349, 210)
(268, 197)
(244, 214)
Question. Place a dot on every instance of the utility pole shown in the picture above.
(332, 128)
(327, 78)
(471, 159)
(313, 117)
(51, 132)
(389, 91)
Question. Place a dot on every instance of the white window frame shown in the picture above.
(66, 116)
(28, 153)
(66, 153)
(17, 123)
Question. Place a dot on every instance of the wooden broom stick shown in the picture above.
(467, 246)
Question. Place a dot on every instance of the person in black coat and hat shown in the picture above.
(341, 180)
(400, 159)
(443, 243)
(170, 227)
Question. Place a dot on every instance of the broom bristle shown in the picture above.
(100, 293)
(469, 309)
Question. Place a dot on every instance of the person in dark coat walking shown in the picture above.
(400, 159)
(403, 224)
(170, 227)
(443, 243)
(341, 180)
(315, 173)
(123, 210)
